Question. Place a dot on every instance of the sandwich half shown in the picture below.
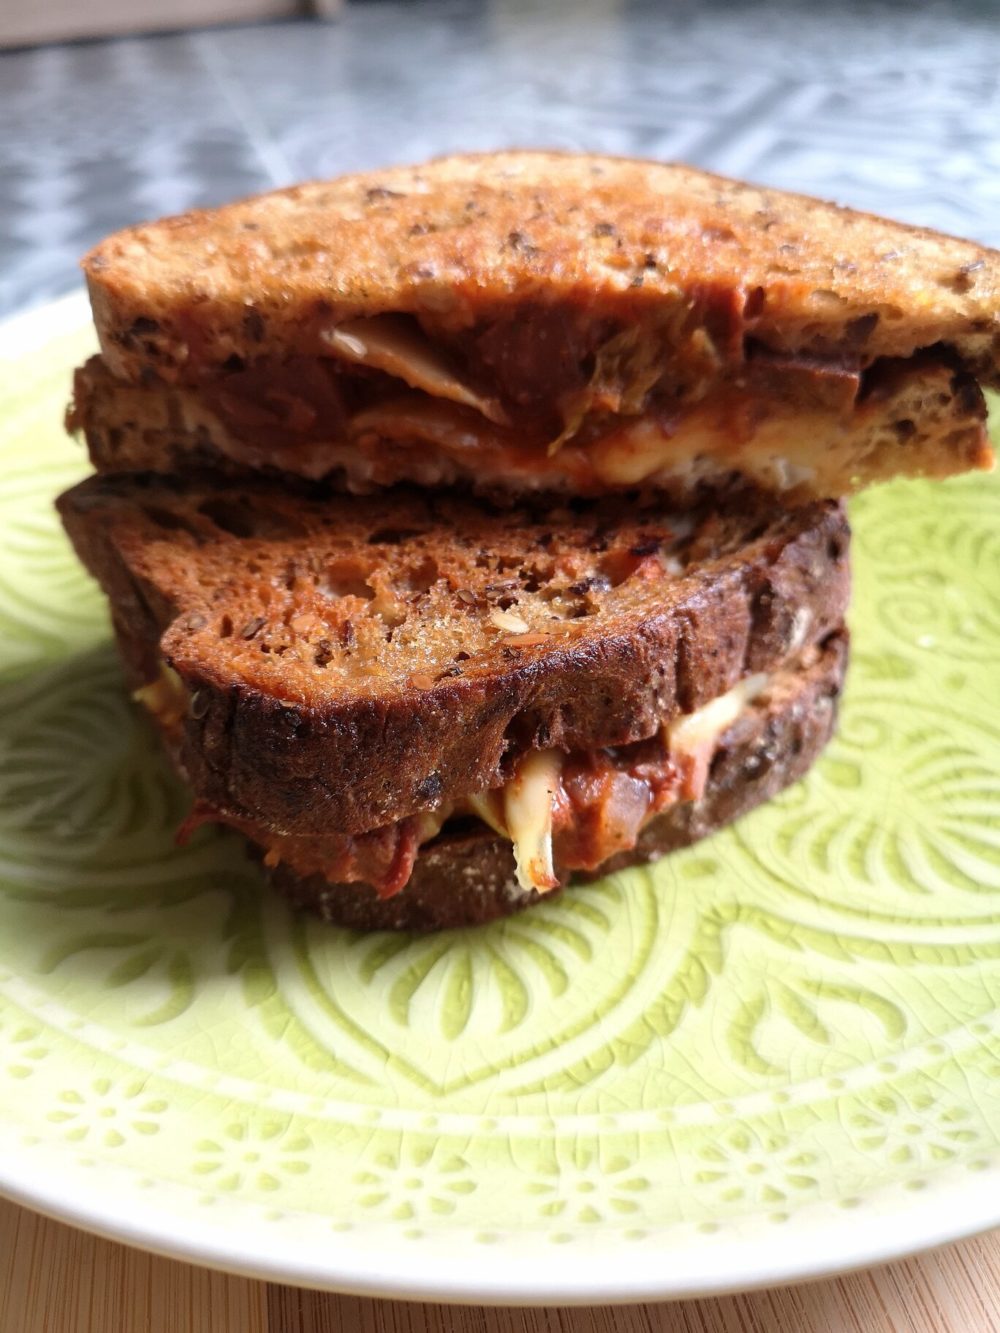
(424, 711)
(528, 321)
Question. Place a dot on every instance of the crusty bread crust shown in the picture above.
(479, 633)
(469, 879)
(474, 237)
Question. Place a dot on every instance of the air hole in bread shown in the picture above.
(519, 733)
(239, 520)
(323, 653)
(168, 520)
(420, 577)
(614, 568)
(537, 577)
(753, 305)
(346, 578)
(225, 627)
(570, 603)
(829, 300)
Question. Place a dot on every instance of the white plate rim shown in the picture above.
(477, 1277)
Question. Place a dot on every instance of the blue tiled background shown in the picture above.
(888, 106)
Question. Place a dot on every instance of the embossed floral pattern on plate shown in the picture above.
(783, 1023)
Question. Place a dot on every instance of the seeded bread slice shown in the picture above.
(468, 878)
(473, 238)
(344, 662)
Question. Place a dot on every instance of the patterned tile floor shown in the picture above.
(892, 106)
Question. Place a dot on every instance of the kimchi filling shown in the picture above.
(551, 398)
(520, 390)
(574, 811)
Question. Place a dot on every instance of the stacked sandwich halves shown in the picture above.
(473, 527)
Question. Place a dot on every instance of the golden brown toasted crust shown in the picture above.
(349, 661)
(468, 878)
(469, 238)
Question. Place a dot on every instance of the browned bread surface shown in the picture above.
(348, 661)
(468, 879)
(473, 237)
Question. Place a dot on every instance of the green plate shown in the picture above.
(772, 1055)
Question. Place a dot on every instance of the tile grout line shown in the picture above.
(272, 159)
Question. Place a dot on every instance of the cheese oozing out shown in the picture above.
(527, 803)
(522, 811)
(165, 697)
(691, 739)
(691, 731)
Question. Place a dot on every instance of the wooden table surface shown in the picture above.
(54, 1279)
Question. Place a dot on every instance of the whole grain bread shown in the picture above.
(344, 662)
(473, 238)
(468, 878)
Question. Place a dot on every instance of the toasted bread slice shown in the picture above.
(336, 664)
(539, 321)
(475, 238)
(467, 875)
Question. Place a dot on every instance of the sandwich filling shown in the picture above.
(571, 811)
(553, 401)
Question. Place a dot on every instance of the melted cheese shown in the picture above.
(487, 806)
(641, 449)
(706, 724)
(522, 811)
(397, 347)
(527, 805)
(692, 739)
(165, 697)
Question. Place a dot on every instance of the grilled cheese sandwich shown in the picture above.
(527, 322)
